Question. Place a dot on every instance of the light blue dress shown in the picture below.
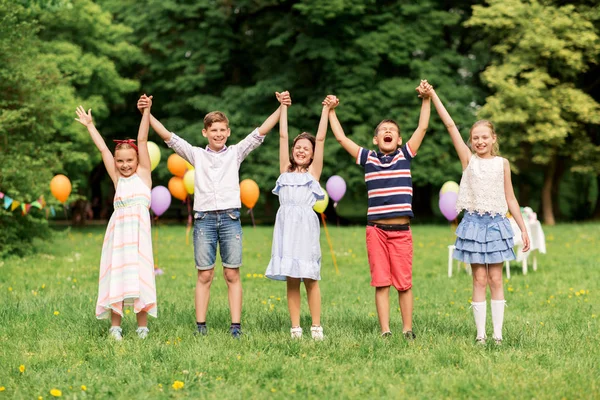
(296, 250)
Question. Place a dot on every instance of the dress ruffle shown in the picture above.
(294, 179)
(281, 268)
(484, 239)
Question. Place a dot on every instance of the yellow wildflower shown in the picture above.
(273, 390)
(56, 393)
(83, 387)
(21, 368)
(56, 313)
(178, 385)
(2, 388)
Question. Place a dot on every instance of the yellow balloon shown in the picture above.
(154, 154)
(188, 181)
(449, 186)
(321, 205)
(189, 166)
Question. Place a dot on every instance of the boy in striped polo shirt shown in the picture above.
(389, 186)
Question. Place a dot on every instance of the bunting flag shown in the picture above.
(7, 202)
(13, 204)
(1, 195)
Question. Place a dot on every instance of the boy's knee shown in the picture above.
(206, 276)
(232, 275)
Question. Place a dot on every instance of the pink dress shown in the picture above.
(127, 266)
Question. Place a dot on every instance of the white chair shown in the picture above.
(537, 241)
(451, 261)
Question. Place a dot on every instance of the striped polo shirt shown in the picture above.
(389, 183)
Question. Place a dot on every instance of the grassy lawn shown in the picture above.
(551, 347)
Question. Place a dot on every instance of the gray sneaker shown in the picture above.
(142, 332)
(116, 332)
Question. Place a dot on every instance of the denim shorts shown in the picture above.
(222, 227)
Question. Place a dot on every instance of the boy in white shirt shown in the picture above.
(217, 204)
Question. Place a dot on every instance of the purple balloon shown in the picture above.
(160, 200)
(448, 205)
(336, 188)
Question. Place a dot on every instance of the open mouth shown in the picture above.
(387, 139)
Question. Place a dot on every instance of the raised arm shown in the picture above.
(284, 151)
(417, 137)
(144, 167)
(316, 167)
(339, 134)
(284, 99)
(463, 151)
(164, 133)
(513, 205)
(107, 157)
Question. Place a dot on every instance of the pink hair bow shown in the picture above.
(130, 142)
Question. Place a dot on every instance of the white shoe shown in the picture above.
(296, 332)
(142, 332)
(316, 332)
(116, 332)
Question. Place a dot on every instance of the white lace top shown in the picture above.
(482, 187)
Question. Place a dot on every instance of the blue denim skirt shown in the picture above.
(483, 239)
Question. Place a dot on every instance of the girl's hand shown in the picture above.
(331, 101)
(424, 89)
(525, 238)
(284, 98)
(144, 102)
(84, 119)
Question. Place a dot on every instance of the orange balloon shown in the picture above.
(177, 188)
(176, 165)
(60, 186)
(249, 192)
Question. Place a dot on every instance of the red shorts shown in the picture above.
(390, 257)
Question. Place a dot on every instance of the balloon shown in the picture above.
(449, 186)
(177, 188)
(154, 155)
(189, 166)
(160, 200)
(249, 192)
(448, 204)
(176, 165)
(188, 181)
(321, 205)
(60, 186)
(336, 187)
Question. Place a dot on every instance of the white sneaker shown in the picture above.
(296, 332)
(116, 332)
(316, 332)
(142, 332)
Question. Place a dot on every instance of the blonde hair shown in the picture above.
(214, 116)
(495, 147)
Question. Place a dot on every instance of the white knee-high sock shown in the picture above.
(498, 317)
(479, 312)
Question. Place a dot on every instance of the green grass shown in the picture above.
(551, 347)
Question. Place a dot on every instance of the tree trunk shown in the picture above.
(547, 211)
(596, 214)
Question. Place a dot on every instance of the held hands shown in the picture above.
(284, 98)
(525, 239)
(144, 102)
(84, 119)
(331, 102)
(424, 89)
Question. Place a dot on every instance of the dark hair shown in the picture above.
(303, 135)
(391, 121)
(495, 147)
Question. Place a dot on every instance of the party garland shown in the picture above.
(13, 204)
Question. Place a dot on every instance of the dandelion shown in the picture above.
(541, 323)
(248, 275)
(10, 289)
(2, 388)
(510, 289)
(56, 313)
(593, 315)
(254, 275)
(273, 390)
(173, 276)
(178, 385)
(260, 275)
(21, 368)
(264, 302)
(56, 393)
(83, 387)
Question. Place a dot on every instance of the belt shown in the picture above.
(390, 227)
(226, 211)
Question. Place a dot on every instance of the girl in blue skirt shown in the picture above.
(484, 236)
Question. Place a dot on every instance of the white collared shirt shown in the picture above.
(217, 179)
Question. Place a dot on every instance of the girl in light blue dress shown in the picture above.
(296, 252)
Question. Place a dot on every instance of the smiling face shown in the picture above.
(126, 161)
(387, 137)
(302, 153)
(217, 135)
(483, 140)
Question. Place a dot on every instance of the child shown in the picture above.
(126, 266)
(389, 186)
(484, 236)
(296, 252)
(217, 204)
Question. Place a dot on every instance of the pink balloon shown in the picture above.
(336, 187)
(160, 200)
(448, 205)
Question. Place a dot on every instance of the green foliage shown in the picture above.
(551, 327)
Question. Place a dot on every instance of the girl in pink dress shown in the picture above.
(126, 266)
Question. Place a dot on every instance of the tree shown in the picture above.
(541, 51)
